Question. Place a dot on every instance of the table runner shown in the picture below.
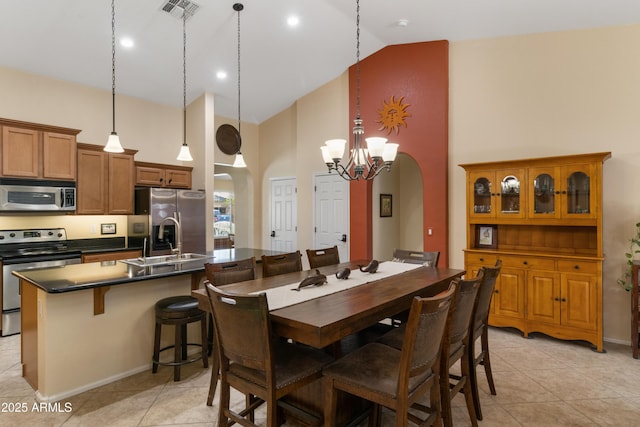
(283, 296)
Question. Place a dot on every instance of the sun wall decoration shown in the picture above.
(393, 114)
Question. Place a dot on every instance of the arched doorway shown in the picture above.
(233, 199)
(404, 228)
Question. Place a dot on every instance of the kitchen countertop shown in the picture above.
(75, 277)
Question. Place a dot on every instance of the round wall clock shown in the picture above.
(228, 139)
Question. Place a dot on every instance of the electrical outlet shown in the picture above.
(429, 231)
(93, 229)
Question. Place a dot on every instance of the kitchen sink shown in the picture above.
(164, 259)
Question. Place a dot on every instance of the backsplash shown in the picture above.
(77, 226)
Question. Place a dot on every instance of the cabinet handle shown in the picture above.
(564, 192)
(171, 180)
(497, 194)
(161, 179)
(563, 300)
(525, 262)
(577, 267)
(497, 291)
(557, 191)
(556, 299)
(481, 259)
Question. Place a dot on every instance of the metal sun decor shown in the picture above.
(364, 163)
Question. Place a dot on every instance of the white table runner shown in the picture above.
(283, 296)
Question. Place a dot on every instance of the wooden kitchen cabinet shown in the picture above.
(160, 175)
(551, 250)
(105, 181)
(35, 151)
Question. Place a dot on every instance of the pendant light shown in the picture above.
(239, 160)
(364, 163)
(113, 143)
(185, 154)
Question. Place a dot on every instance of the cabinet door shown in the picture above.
(578, 192)
(544, 193)
(58, 156)
(177, 178)
(149, 176)
(481, 194)
(579, 294)
(509, 295)
(111, 256)
(92, 181)
(20, 152)
(543, 296)
(510, 193)
(121, 184)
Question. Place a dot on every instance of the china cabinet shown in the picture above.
(542, 218)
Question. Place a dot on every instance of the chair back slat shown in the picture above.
(272, 265)
(429, 259)
(322, 257)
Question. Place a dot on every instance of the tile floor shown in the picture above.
(540, 382)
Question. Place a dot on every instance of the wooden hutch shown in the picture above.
(542, 218)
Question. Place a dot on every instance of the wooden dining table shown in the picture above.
(324, 321)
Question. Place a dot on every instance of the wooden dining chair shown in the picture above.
(479, 329)
(221, 274)
(396, 378)
(257, 364)
(430, 259)
(455, 345)
(321, 257)
(272, 265)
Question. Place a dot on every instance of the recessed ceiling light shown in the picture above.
(293, 21)
(126, 42)
(402, 22)
(221, 75)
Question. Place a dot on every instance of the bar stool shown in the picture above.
(179, 311)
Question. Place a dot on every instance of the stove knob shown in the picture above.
(12, 234)
(59, 234)
(50, 233)
(1, 236)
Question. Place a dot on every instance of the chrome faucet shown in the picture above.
(178, 249)
(143, 258)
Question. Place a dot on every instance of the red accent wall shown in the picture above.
(419, 72)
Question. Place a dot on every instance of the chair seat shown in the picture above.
(375, 367)
(293, 363)
(177, 307)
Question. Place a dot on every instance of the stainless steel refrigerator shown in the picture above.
(152, 205)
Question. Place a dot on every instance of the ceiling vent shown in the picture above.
(175, 8)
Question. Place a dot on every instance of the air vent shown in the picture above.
(175, 8)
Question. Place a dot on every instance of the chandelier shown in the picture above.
(364, 163)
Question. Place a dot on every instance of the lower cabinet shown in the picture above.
(111, 256)
(555, 296)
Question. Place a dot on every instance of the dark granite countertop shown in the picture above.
(75, 277)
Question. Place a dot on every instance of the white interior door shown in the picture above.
(332, 213)
(284, 219)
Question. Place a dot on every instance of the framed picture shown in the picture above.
(386, 205)
(487, 236)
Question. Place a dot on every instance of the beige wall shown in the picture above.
(553, 94)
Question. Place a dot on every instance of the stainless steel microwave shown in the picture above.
(36, 195)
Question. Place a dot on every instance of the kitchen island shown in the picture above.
(87, 325)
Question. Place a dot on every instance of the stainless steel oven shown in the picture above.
(26, 250)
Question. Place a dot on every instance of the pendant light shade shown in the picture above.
(239, 161)
(184, 155)
(113, 143)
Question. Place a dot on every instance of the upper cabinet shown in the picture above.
(160, 175)
(497, 193)
(34, 151)
(105, 181)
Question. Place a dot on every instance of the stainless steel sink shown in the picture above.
(164, 259)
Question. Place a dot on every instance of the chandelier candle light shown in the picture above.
(364, 163)
(185, 154)
(113, 143)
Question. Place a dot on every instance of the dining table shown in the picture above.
(322, 316)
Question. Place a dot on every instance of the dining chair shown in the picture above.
(221, 274)
(272, 265)
(396, 378)
(479, 329)
(430, 259)
(321, 257)
(257, 364)
(455, 345)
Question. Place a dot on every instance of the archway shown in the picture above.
(235, 186)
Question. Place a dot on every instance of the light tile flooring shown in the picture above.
(540, 382)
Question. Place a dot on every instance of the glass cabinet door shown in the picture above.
(482, 196)
(510, 195)
(578, 193)
(544, 201)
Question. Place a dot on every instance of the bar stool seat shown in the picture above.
(179, 311)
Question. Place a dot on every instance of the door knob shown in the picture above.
(273, 233)
(344, 238)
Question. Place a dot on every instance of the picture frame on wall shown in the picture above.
(487, 236)
(386, 205)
